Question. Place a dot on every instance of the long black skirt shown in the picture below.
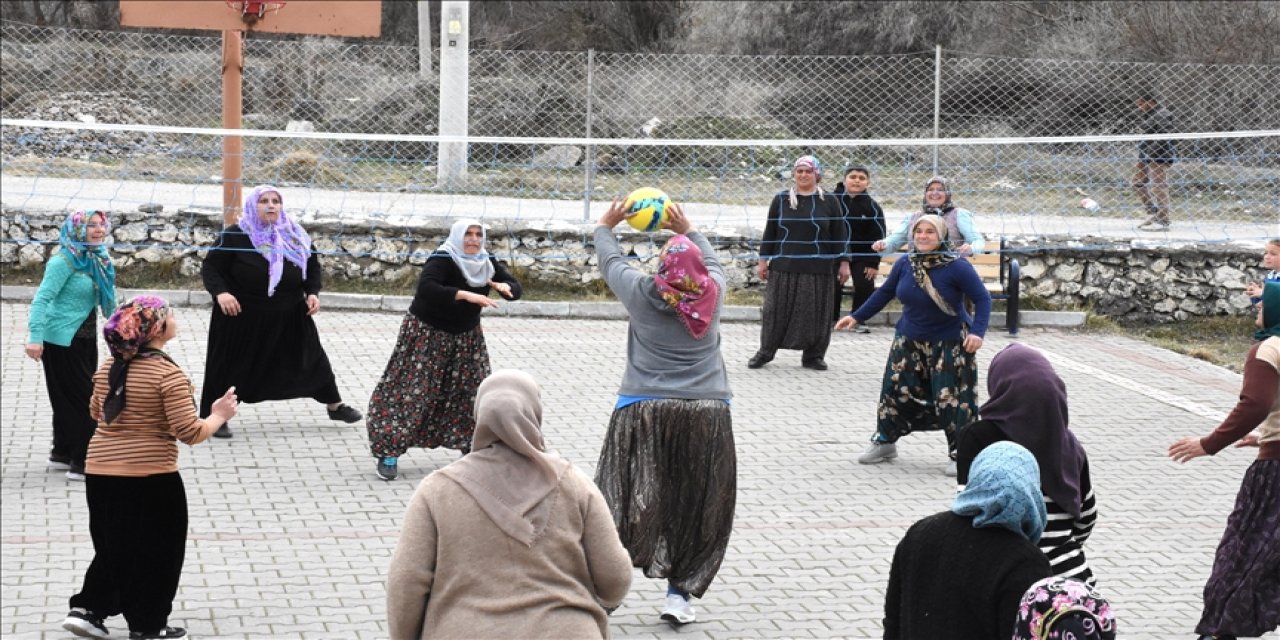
(669, 472)
(1242, 596)
(797, 313)
(267, 354)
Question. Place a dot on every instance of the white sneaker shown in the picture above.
(678, 610)
(878, 452)
(951, 469)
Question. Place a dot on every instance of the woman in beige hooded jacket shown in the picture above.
(509, 541)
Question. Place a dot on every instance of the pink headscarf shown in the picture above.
(284, 240)
(684, 283)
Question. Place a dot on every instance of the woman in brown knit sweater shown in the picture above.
(144, 404)
(511, 541)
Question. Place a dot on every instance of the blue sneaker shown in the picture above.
(387, 468)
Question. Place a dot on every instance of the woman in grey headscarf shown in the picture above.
(478, 533)
(424, 398)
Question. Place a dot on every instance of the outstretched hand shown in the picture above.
(1188, 448)
(845, 323)
(676, 220)
(614, 214)
(227, 406)
(477, 299)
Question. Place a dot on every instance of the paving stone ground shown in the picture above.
(291, 532)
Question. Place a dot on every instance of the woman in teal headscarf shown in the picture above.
(961, 574)
(1242, 596)
(61, 332)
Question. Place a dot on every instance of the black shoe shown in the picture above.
(85, 624)
(758, 360)
(167, 632)
(817, 364)
(345, 413)
(223, 432)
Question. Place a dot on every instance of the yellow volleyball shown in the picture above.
(646, 208)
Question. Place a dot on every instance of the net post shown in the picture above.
(589, 158)
(937, 101)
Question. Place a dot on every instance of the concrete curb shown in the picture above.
(537, 309)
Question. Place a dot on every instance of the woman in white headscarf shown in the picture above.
(425, 396)
(511, 540)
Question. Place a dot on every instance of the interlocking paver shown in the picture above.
(291, 533)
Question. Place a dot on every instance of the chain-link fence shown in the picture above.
(367, 88)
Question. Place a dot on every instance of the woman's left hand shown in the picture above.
(313, 304)
(972, 343)
(615, 214)
(501, 287)
(1187, 448)
(844, 273)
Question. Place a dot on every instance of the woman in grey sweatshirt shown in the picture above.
(667, 467)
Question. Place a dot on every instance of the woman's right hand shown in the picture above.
(35, 351)
(877, 246)
(228, 303)
(847, 322)
(227, 406)
(762, 270)
(476, 299)
(1253, 289)
(614, 214)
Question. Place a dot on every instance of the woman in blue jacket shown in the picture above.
(61, 332)
(930, 380)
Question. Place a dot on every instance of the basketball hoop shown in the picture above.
(252, 11)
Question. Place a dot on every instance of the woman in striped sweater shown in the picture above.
(1027, 404)
(144, 404)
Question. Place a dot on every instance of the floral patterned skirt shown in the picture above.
(928, 385)
(427, 393)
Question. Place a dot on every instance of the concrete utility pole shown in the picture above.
(424, 39)
(455, 18)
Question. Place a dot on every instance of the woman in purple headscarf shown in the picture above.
(265, 280)
(1027, 404)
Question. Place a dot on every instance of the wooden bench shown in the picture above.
(1000, 272)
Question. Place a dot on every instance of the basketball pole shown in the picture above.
(232, 146)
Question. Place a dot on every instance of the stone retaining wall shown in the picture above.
(1126, 280)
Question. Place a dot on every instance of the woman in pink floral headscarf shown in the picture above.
(667, 466)
(265, 280)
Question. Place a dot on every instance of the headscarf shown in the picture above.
(1270, 311)
(922, 263)
(475, 268)
(90, 258)
(127, 333)
(684, 283)
(509, 472)
(1058, 608)
(1004, 491)
(813, 163)
(1027, 402)
(284, 240)
(947, 211)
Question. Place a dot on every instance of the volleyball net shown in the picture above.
(1062, 191)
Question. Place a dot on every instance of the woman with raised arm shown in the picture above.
(668, 468)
